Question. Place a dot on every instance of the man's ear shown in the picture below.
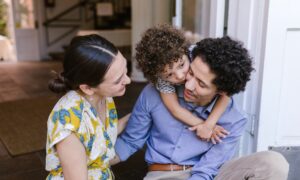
(86, 89)
(222, 93)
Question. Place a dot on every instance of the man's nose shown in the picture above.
(189, 84)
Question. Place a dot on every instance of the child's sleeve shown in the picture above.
(165, 86)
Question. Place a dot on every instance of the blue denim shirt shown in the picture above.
(169, 141)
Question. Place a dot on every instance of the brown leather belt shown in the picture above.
(168, 167)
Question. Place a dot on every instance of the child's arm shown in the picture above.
(217, 111)
(122, 123)
(171, 102)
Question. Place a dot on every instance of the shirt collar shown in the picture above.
(192, 106)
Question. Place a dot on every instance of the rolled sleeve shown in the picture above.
(208, 166)
(137, 131)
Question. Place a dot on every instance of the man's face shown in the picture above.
(199, 88)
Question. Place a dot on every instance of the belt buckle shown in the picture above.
(171, 167)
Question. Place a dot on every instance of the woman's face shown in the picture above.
(115, 79)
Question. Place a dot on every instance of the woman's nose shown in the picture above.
(127, 80)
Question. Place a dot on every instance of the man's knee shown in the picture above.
(274, 162)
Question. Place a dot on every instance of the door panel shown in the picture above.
(26, 33)
(280, 100)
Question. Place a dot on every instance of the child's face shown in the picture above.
(175, 73)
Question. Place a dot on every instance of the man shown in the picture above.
(219, 66)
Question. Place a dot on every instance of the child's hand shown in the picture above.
(218, 133)
(203, 131)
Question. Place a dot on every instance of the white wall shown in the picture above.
(145, 14)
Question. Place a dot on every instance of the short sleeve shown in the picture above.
(62, 123)
(165, 86)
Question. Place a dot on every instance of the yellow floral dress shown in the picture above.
(74, 114)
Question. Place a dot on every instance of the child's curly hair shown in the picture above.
(160, 46)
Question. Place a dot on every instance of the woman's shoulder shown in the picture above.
(68, 101)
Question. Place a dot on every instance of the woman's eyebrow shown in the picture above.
(119, 79)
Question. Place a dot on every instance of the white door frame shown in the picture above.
(246, 22)
(279, 118)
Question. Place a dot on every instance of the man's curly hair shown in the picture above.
(229, 60)
(160, 46)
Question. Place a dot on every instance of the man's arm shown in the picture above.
(137, 129)
(209, 164)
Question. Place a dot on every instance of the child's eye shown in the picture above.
(181, 65)
(169, 75)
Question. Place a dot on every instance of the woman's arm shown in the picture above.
(122, 123)
(73, 158)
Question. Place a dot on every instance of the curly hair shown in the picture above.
(229, 60)
(160, 46)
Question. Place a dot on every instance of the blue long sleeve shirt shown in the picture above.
(169, 140)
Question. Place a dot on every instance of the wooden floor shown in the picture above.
(26, 80)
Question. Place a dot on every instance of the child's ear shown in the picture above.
(86, 89)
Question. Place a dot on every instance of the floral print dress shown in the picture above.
(74, 114)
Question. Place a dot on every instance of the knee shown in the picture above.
(274, 162)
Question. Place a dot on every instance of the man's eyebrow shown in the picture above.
(202, 82)
(199, 80)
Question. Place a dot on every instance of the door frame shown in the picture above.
(13, 28)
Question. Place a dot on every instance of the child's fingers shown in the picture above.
(217, 139)
(224, 131)
(213, 141)
(192, 128)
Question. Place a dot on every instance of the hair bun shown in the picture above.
(58, 84)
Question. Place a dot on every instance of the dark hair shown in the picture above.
(86, 61)
(160, 45)
(229, 60)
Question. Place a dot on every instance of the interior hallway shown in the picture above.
(25, 80)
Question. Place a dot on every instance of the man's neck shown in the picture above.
(205, 102)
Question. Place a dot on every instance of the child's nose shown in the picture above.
(180, 76)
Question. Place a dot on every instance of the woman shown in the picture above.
(83, 125)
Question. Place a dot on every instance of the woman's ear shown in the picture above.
(86, 89)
